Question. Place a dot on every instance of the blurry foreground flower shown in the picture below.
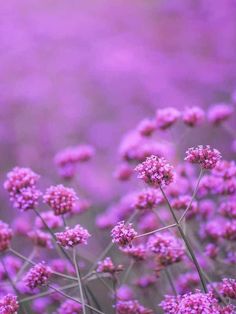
(5, 236)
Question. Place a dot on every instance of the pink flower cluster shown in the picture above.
(204, 156)
(5, 236)
(71, 237)
(167, 248)
(155, 171)
(21, 186)
(37, 276)
(147, 199)
(60, 199)
(107, 266)
(123, 234)
(69, 307)
(9, 304)
(131, 307)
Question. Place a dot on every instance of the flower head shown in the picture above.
(228, 288)
(53, 221)
(37, 276)
(9, 304)
(146, 127)
(137, 252)
(60, 199)
(70, 307)
(219, 113)
(167, 248)
(73, 236)
(193, 116)
(147, 199)
(155, 171)
(5, 236)
(107, 266)
(21, 185)
(205, 156)
(131, 307)
(165, 118)
(123, 234)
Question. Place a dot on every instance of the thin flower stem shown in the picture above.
(25, 265)
(156, 230)
(187, 243)
(171, 283)
(104, 282)
(76, 300)
(79, 281)
(126, 275)
(193, 196)
(53, 236)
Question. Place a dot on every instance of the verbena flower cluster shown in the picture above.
(161, 244)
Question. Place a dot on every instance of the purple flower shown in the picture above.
(123, 172)
(131, 307)
(147, 199)
(228, 288)
(40, 238)
(60, 199)
(37, 276)
(74, 236)
(107, 266)
(205, 156)
(165, 118)
(219, 113)
(123, 234)
(167, 248)
(70, 307)
(228, 209)
(211, 250)
(53, 221)
(125, 293)
(193, 116)
(146, 127)
(9, 304)
(155, 171)
(21, 185)
(5, 236)
(137, 252)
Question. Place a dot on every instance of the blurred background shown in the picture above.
(87, 72)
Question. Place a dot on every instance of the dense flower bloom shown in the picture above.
(205, 156)
(155, 171)
(37, 276)
(167, 248)
(70, 307)
(5, 236)
(9, 304)
(60, 199)
(195, 303)
(53, 221)
(147, 127)
(193, 116)
(165, 118)
(228, 288)
(137, 252)
(107, 266)
(131, 307)
(219, 113)
(21, 185)
(123, 234)
(73, 236)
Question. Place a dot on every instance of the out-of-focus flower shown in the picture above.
(167, 248)
(205, 156)
(146, 127)
(146, 281)
(228, 288)
(5, 236)
(228, 209)
(123, 172)
(53, 221)
(193, 116)
(147, 199)
(70, 307)
(37, 276)
(137, 252)
(107, 266)
(124, 293)
(68, 159)
(165, 118)
(123, 234)
(60, 199)
(220, 113)
(9, 304)
(21, 186)
(155, 171)
(41, 238)
(131, 307)
(187, 282)
(211, 250)
(74, 236)
(229, 230)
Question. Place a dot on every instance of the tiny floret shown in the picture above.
(74, 236)
(206, 156)
(155, 171)
(123, 234)
(60, 199)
